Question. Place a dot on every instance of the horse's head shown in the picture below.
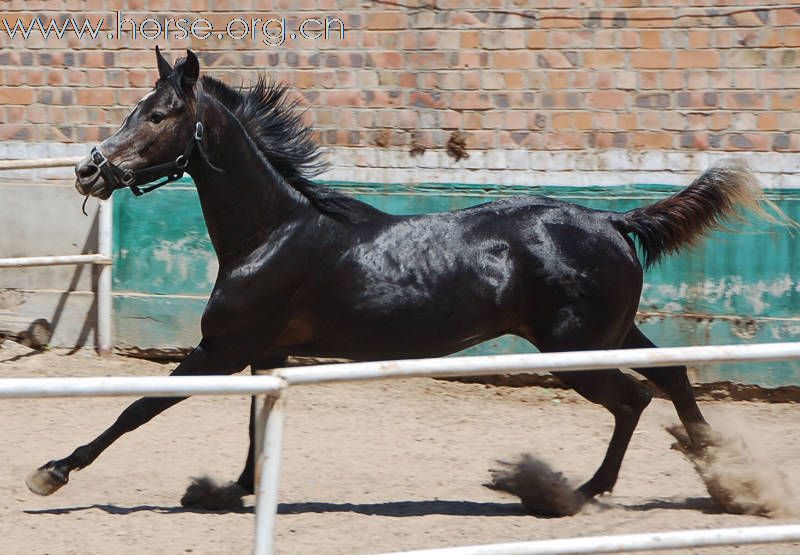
(155, 140)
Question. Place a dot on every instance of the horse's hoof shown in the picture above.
(46, 480)
(542, 491)
(204, 493)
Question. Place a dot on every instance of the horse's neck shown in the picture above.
(248, 200)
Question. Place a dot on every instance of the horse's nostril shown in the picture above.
(86, 171)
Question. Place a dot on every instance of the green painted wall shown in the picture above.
(733, 288)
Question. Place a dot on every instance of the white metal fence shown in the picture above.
(269, 423)
(102, 258)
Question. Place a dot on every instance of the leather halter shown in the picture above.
(118, 177)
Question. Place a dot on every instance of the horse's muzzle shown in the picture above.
(89, 180)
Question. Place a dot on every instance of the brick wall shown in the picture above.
(494, 76)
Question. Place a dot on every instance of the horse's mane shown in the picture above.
(276, 126)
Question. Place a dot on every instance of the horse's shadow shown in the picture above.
(395, 508)
(705, 505)
(388, 509)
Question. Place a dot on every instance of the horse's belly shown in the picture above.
(408, 333)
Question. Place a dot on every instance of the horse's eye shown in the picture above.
(156, 117)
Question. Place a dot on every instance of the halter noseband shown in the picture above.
(119, 177)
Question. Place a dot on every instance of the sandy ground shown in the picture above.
(367, 468)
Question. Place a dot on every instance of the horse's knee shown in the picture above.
(672, 380)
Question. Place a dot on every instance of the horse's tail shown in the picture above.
(719, 194)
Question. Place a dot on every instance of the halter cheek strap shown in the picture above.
(120, 178)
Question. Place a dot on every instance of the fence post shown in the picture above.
(104, 301)
(269, 441)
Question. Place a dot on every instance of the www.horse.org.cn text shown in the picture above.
(270, 31)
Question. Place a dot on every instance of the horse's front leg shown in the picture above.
(205, 493)
(201, 361)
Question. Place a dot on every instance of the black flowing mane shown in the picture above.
(276, 127)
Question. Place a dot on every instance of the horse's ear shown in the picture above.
(190, 70)
(164, 69)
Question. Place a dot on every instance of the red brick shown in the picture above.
(427, 99)
(514, 80)
(604, 120)
(512, 60)
(582, 120)
(554, 59)
(387, 20)
(786, 17)
(605, 38)
(561, 120)
(386, 59)
(745, 58)
(558, 80)
(514, 39)
(342, 98)
(700, 38)
(651, 39)
(565, 140)
(786, 101)
(771, 79)
(747, 141)
(652, 59)
(697, 58)
(469, 39)
(672, 80)
(747, 100)
(536, 39)
(767, 121)
(603, 58)
(649, 120)
(652, 140)
(613, 100)
(95, 97)
(790, 36)
(604, 79)
(629, 39)
(469, 101)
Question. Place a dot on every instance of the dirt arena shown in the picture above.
(368, 467)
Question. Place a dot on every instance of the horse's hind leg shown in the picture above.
(740, 484)
(625, 399)
(544, 493)
(673, 381)
(51, 476)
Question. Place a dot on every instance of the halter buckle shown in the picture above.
(128, 177)
(99, 158)
(198, 131)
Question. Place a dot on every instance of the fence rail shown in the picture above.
(270, 422)
(38, 163)
(539, 362)
(655, 541)
(32, 261)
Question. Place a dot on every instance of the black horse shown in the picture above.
(308, 271)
